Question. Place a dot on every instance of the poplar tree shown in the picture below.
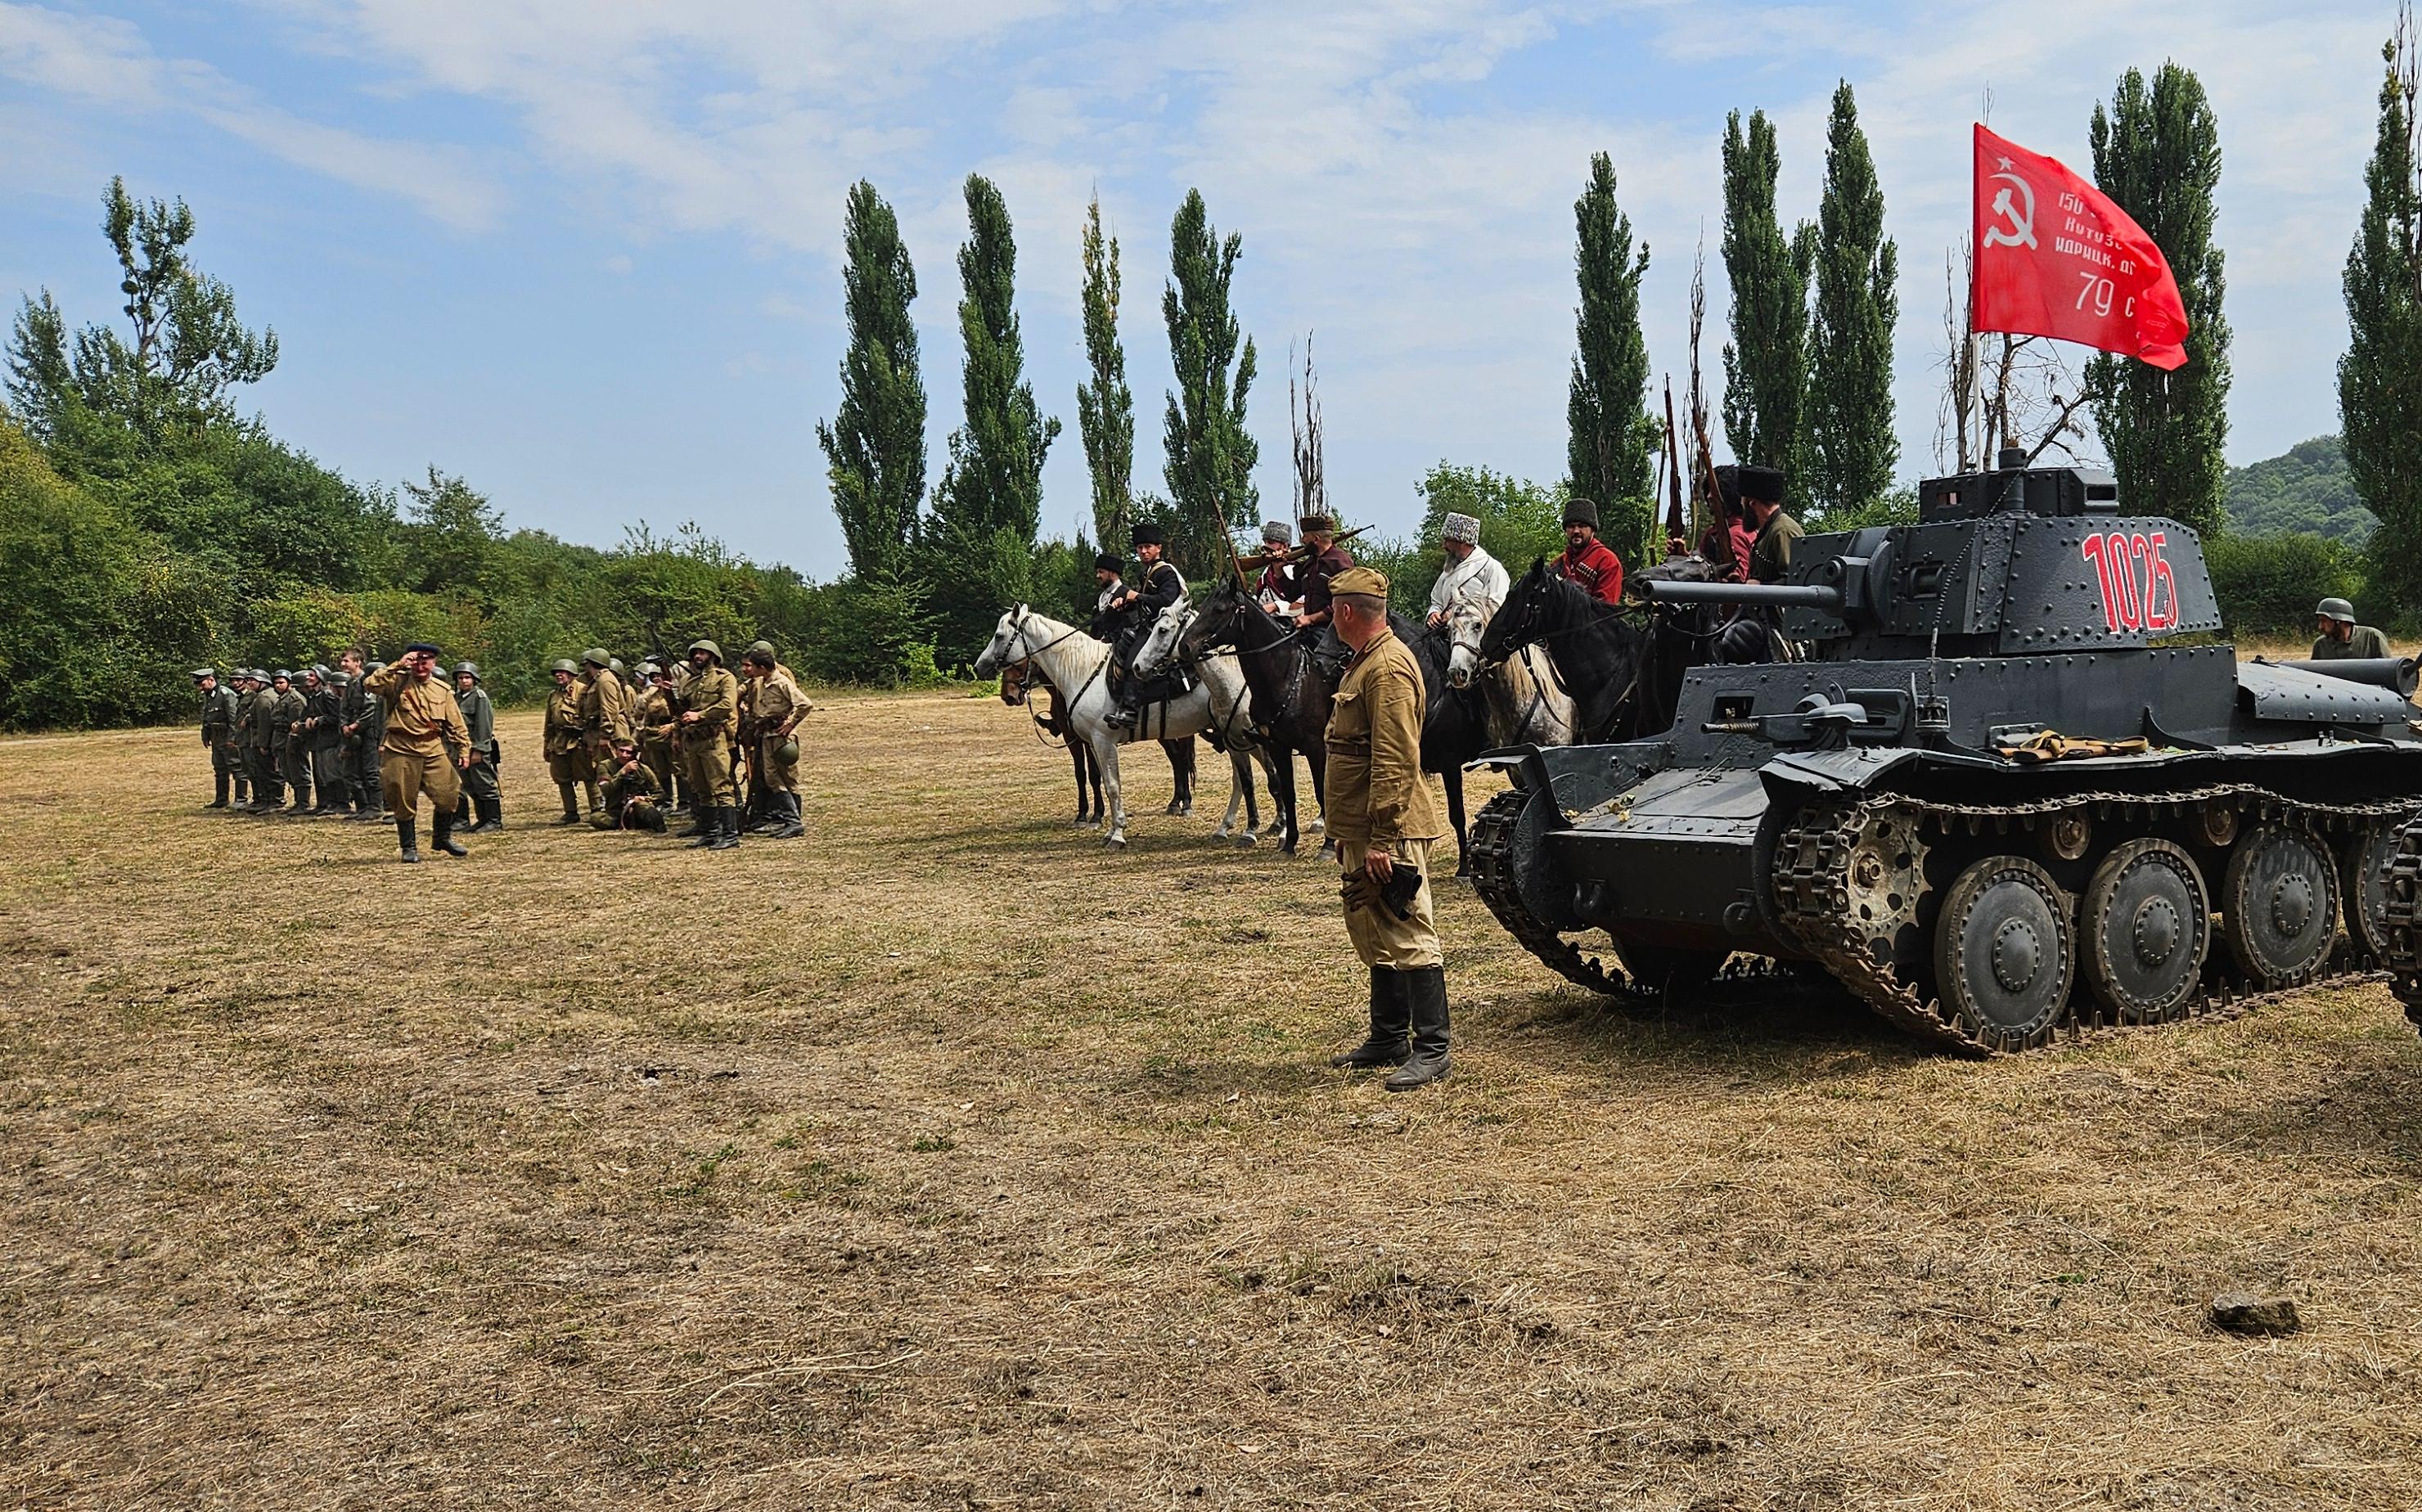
(2379, 377)
(1611, 437)
(1210, 466)
(2157, 154)
(1851, 447)
(874, 447)
(1765, 362)
(994, 480)
(1106, 407)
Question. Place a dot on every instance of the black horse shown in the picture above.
(1454, 723)
(1622, 665)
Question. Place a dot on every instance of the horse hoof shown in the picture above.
(1248, 841)
(1114, 843)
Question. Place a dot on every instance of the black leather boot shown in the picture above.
(709, 828)
(407, 835)
(787, 825)
(728, 835)
(571, 803)
(492, 816)
(1390, 1011)
(1427, 988)
(221, 800)
(441, 825)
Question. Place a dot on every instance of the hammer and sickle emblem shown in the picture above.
(2022, 231)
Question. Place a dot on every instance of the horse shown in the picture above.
(1045, 650)
(1018, 684)
(1524, 704)
(1624, 676)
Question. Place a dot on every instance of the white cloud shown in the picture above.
(92, 61)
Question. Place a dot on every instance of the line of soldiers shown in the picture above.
(725, 748)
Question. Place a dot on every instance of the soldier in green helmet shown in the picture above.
(567, 751)
(775, 707)
(287, 742)
(2339, 638)
(259, 731)
(483, 799)
(709, 719)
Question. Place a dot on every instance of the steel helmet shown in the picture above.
(788, 751)
(649, 668)
(597, 657)
(566, 665)
(766, 646)
(472, 668)
(2333, 608)
(707, 646)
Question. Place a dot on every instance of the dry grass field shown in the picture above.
(941, 1159)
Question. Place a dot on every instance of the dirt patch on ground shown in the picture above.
(940, 1158)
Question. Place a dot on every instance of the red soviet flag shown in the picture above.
(2054, 257)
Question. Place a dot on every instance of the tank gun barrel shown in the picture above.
(2395, 673)
(1782, 595)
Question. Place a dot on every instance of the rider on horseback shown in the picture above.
(1587, 561)
(1472, 574)
(1277, 588)
(1327, 558)
(1157, 587)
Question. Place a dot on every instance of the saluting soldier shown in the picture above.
(424, 749)
(776, 707)
(1588, 562)
(2341, 639)
(482, 809)
(710, 717)
(567, 749)
(218, 731)
(1384, 819)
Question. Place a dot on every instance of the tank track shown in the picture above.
(1492, 845)
(1812, 886)
(2405, 920)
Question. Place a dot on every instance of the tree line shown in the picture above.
(147, 527)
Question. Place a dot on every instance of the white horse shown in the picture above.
(1526, 705)
(1077, 664)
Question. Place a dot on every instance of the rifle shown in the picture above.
(1675, 527)
(1300, 552)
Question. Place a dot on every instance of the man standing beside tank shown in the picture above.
(482, 809)
(567, 749)
(424, 751)
(1778, 533)
(710, 717)
(218, 731)
(2340, 638)
(1383, 818)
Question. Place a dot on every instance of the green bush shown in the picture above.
(2267, 584)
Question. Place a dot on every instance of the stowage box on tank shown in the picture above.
(1909, 807)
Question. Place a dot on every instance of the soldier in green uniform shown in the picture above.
(480, 790)
(323, 739)
(567, 750)
(286, 743)
(776, 705)
(361, 724)
(2341, 639)
(1770, 554)
(260, 731)
(710, 717)
(1384, 819)
(631, 791)
(219, 730)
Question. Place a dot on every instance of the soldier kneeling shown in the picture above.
(632, 793)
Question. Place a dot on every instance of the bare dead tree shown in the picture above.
(1303, 418)
(1999, 390)
(1702, 510)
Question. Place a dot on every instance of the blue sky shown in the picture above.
(586, 254)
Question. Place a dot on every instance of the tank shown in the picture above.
(2011, 788)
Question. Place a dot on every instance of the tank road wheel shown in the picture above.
(1663, 969)
(2002, 955)
(2363, 877)
(2279, 906)
(2145, 928)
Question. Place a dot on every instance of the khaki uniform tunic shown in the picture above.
(604, 711)
(653, 714)
(1769, 556)
(425, 742)
(569, 759)
(1377, 797)
(714, 696)
(775, 701)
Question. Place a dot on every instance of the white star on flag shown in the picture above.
(2006, 164)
